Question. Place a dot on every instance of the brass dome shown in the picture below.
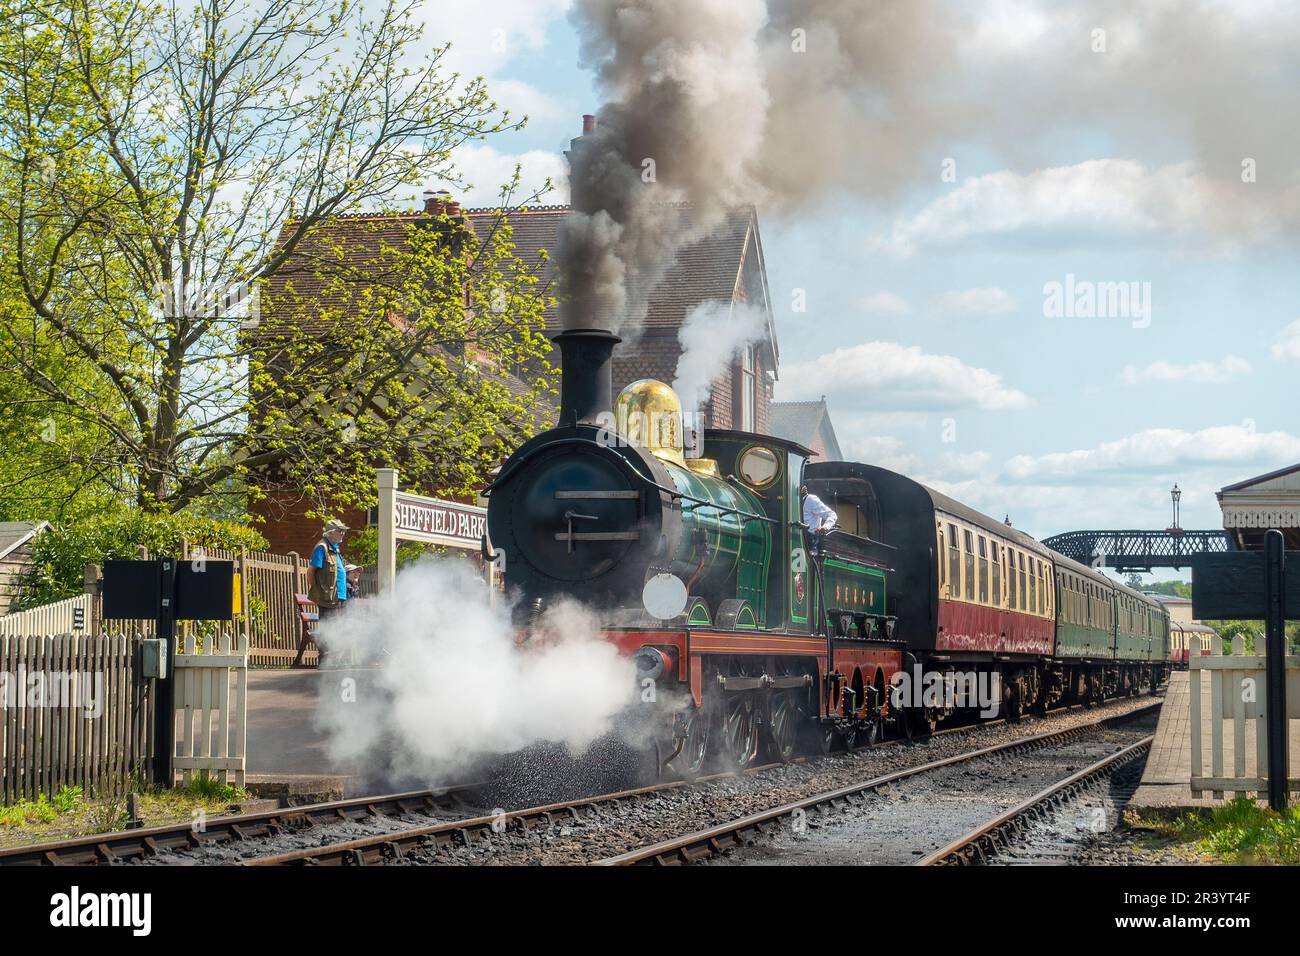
(649, 414)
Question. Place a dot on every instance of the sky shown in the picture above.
(1055, 270)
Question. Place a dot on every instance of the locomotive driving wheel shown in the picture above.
(690, 763)
(785, 715)
(783, 727)
(739, 735)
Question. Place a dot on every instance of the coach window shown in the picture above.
(984, 570)
(995, 564)
(943, 565)
(954, 563)
(1019, 582)
(970, 565)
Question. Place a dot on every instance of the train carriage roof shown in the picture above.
(831, 470)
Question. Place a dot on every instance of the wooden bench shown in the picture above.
(308, 615)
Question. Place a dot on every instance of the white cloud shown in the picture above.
(1158, 450)
(1195, 373)
(524, 99)
(884, 451)
(990, 301)
(1288, 342)
(487, 34)
(1096, 200)
(886, 375)
(487, 170)
(886, 303)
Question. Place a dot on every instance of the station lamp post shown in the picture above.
(1177, 495)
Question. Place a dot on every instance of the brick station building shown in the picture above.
(724, 266)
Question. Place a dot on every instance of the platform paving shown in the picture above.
(1166, 788)
(288, 754)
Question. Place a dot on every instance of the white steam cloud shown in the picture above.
(712, 334)
(452, 686)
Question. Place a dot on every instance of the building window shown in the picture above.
(748, 382)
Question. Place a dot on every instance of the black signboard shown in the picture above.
(1231, 585)
(132, 590)
(204, 590)
(166, 591)
(1257, 586)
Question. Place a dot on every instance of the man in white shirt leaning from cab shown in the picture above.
(818, 518)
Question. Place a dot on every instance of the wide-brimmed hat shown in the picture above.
(334, 524)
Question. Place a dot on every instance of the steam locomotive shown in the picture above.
(758, 640)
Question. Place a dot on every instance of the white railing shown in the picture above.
(1238, 696)
(212, 706)
(58, 618)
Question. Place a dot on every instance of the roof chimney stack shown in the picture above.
(438, 202)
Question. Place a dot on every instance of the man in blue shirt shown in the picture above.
(329, 576)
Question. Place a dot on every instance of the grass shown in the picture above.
(70, 813)
(1238, 832)
(43, 809)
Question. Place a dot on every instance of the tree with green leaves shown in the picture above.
(160, 165)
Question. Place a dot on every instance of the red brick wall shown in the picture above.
(287, 527)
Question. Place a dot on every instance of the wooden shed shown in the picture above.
(15, 556)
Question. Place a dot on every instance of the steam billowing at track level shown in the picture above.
(451, 687)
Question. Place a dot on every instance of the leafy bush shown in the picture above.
(60, 554)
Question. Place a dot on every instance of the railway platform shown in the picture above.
(1165, 789)
(288, 752)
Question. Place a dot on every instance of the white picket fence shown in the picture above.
(212, 708)
(1238, 697)
(58, 618)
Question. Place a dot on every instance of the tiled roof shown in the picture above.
(708, 268)
(803, 422)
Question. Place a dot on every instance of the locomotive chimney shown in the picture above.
(585, 364)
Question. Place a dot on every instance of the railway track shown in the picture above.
(126, 845)
(424, 844)
(999, 837)
(231, 838)
(743, 831)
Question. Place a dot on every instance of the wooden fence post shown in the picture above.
(91, 585)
